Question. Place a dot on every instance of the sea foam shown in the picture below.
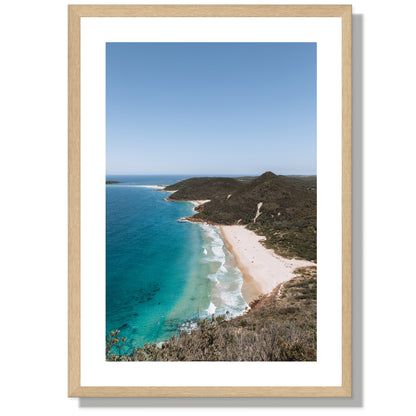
(226, 279)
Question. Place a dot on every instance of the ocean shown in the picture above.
(163, 275)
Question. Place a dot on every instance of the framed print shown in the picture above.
(209, 201)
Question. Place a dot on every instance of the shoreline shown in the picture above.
(261, 267)
(232, 304)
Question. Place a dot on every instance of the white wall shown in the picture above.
(34, 237)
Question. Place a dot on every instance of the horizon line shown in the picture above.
(207, 174)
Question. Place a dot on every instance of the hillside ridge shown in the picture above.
(275, 206)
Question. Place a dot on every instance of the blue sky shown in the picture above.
(211, 108)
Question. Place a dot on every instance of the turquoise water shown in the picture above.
(162, 275)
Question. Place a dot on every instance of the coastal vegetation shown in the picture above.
(111, 182)
(203, 188)
(280, 326)
(281, 208)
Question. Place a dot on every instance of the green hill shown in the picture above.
(203, 188)
(308, 182)
(281, 208)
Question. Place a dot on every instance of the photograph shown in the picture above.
(211, 201)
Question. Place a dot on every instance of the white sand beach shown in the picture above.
(200, 202)
(262, 269)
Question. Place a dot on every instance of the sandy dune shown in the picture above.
(262, 269)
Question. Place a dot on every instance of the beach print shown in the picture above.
(211, 201)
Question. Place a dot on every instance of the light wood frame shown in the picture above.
(75, 12)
